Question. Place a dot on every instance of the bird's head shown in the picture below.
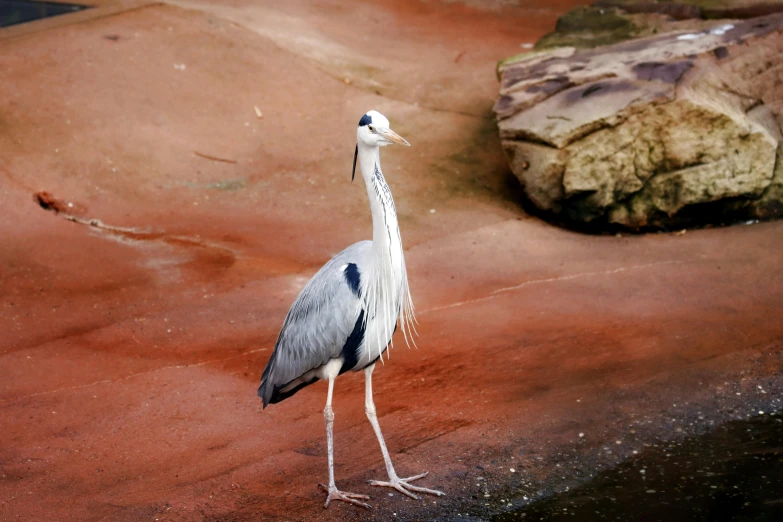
(374, 131)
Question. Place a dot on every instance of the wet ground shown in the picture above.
(731, 474)
(22, 11)
(173, 174)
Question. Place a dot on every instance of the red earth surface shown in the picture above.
(171, 176)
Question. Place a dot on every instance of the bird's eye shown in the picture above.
(371, 128)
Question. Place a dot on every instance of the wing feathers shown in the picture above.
(318, 326)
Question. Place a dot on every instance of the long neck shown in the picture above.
(385, 229)
(387, 293)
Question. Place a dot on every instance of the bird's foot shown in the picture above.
(335, 494)
(402, 485)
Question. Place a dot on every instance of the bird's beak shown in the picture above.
(393, 137)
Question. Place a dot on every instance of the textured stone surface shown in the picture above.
(669, 130)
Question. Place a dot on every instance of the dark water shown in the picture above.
(14, 12)
(732, 474)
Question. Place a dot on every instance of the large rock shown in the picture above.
(669, 130)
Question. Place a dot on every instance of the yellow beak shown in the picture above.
(393, 137)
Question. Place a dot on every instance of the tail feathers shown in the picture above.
(272, 394)
(265, 390)
(262, 392)
(283, 392)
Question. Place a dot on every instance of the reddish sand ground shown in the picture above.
(131, 347)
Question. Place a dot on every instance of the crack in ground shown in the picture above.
(494, 294)
(48, 202)
(550, 280)
(215, 254)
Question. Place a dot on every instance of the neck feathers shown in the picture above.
(388, 298)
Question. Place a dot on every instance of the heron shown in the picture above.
(345, 316)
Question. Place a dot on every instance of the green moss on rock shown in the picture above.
(590, 27)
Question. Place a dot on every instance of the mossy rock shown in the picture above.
(590, 27)
(611, 21)
(706, 9)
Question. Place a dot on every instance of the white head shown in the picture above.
(374, 132)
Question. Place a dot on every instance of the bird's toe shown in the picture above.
(336, 494)
(403, 486)
(415, 477)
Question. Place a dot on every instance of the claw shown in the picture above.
(335, 494)
(402, 485)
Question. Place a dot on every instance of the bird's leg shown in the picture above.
(332, 492)
(400, 484)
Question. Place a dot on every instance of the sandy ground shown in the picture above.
(133, 335)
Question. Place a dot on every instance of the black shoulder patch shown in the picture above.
(353, 278)
(350, 351)
(366, 120)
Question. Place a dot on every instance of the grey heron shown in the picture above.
(345, 316)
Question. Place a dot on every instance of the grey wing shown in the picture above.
(321, 321)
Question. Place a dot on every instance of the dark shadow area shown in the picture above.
(734, 473)
(723, 213)
(13, 12)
